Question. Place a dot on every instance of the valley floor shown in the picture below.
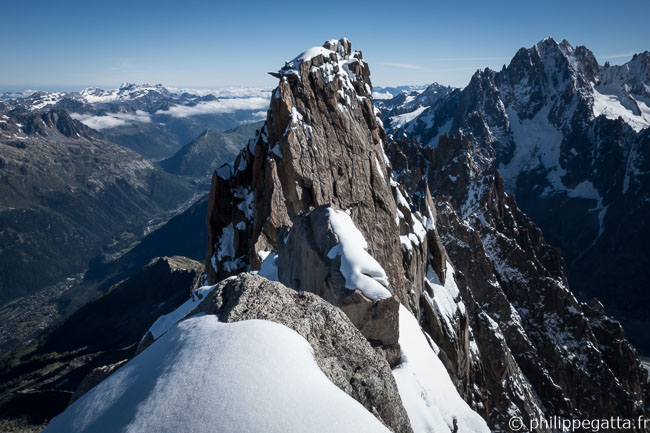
(24, 318)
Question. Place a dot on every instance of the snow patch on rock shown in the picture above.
(166, 321)
(360, 269)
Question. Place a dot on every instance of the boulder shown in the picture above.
(304, 265)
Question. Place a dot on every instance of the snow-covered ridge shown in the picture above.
(126, 91)
(612, 107)
(402, 119)
(337, 60)
(646, 364)
(208, 376)
(429, 396)
(625, 91)
(390, 92)
(165, 322)
(552, 67)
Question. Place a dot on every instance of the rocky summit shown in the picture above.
(400, 282)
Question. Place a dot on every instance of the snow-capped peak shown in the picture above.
(126, 92)
(624, 91)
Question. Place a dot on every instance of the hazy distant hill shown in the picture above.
(211, 149)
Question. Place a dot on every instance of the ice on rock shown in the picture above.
(537, 144)
(226, 243)
(166, 321)
(445, 302)
(224, 171)
(208, 376)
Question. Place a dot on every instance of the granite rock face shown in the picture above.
(322, 144)
(304, 265)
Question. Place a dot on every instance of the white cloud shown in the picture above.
(226, 92)
(403, 66)
(617, 56)
(379, 95)
(111, 120)
(221, 106)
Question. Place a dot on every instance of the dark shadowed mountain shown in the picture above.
(571, 140)
(39, 381)
(198, 158)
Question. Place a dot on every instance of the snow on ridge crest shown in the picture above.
(336, 55)
(179, 384)
(429, 396)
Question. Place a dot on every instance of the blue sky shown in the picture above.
(73, 44)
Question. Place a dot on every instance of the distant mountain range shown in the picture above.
(70, 193)
(152, 120)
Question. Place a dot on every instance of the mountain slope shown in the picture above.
(571, 140)
(65, 194)
(183, 235)
(211, 149)
(95, 339)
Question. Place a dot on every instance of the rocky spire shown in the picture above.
(321, 152)
(321, 145)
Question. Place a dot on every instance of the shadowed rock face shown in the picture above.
(341, 352)
(529, 329)
(567, 137)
